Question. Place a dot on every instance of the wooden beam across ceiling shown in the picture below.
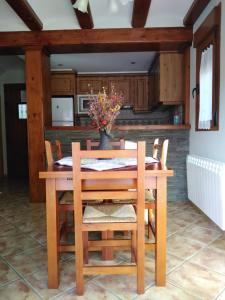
(140, 12)
(85, 19)
(194, 12)
(23, 9)
(101, 40)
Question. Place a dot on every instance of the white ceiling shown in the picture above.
(104, 62)
(59, 14)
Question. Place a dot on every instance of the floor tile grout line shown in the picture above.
(21, 277)
(107, 289)
(186, 290)
(190, 257)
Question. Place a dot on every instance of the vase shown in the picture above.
(104, 143)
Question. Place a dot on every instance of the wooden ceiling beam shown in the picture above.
(23, 9)
(101, 40)
(140, 12)
(194, 12)
(85, 19)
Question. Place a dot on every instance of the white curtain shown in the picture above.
(206, 89)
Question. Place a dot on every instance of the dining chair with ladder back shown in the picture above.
(107, 253)
(105, 216)
(150, 194)
(65, 199)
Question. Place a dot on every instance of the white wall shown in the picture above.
(10, 76)
(210, 144)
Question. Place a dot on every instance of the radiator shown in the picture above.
(206, 187)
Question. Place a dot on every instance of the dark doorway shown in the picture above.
(16, 131)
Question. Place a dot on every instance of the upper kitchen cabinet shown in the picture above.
(86, 84)
(122, 85)
(63, 83)
(141, 93)
(168, 79)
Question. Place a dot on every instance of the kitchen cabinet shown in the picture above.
(87, 83)
(141, 93)
(121, 84)
(134, 88)
(62, 83)
(168, 77)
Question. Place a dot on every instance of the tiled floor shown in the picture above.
(195, 257)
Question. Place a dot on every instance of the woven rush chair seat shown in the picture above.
(109, 213)
(149, 195)
(67, 198)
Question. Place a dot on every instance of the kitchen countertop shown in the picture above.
(124, 127)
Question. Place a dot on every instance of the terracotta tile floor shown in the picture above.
(195, 257)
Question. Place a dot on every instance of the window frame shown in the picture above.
(209, 34)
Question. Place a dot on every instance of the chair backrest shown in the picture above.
(120, 144)
(58, 149)
(155, 148)
(164, 150)
(51, 151)
(108, 190)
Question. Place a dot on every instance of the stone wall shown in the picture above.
(177, 151)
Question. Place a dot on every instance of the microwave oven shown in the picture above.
(83, 103)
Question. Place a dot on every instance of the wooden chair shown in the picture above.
(120, 144)
(131, 220)
(65, 199)
(53, 151)
(150, 194)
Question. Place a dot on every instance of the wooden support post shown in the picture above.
(37, 70)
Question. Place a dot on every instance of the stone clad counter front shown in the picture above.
(177, 151)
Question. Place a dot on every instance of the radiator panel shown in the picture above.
(206, 187)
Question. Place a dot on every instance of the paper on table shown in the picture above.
(65, 161)
(104, 164)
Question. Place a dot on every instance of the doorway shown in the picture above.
(16, 131)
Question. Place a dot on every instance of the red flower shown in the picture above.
(104, 122)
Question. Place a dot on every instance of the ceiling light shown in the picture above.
(81, 5)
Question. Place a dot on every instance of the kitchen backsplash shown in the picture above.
(162, 115)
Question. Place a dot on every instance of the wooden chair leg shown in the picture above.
(107, 252)
(85, 250)
(140, 262)
(133, 246)
(150, 235)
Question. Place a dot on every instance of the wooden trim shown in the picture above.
(140, 12)
(23, 9)
(211, 23)
(85, 19)
(209, 33)
(194, 12)
(186, 86)
(65, 41)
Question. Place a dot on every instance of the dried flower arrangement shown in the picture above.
(103, 109)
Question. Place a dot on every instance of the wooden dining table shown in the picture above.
(60, 178)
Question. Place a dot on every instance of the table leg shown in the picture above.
(160, 219)
(52, 234)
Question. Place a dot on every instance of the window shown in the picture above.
(207, 43)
